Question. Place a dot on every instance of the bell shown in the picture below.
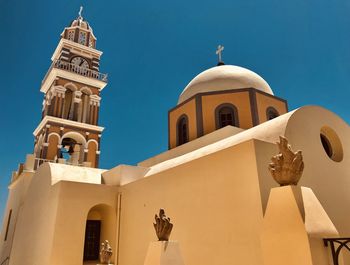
(71, 149)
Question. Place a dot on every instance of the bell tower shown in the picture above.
(69, 131)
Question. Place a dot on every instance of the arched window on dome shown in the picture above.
(226, 114)
(271, 113)
(182, 130)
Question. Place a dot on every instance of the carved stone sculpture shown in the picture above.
(162, 226)
(105, 253)
(286, 167)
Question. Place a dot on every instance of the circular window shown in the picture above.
(331, 144)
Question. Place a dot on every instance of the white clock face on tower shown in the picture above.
(80, 61)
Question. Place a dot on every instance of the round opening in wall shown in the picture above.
(331, 144)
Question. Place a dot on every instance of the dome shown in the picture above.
(224, 77)
(80, 22)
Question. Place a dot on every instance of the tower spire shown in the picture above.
(80, 11)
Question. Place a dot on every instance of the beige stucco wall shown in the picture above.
(216, 210)
(75, 202)
(264, 101)
(35, 226)
(51, 225)
(215, 196)
(16, 197)
(284, 237)
(329, 180)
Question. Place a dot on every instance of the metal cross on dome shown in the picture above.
(219, 52)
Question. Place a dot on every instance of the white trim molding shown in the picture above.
(61, 121)
(76, 136)
(56, 72)
(54, 133)
(75, 46)
(92, 141)
(71, 85)
(58, 90)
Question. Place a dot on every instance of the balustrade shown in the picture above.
(59, 64)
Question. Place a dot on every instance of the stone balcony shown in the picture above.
(63, 65)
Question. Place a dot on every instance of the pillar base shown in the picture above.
(164, 253)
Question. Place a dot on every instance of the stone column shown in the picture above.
(97, 158)
(95, 101)
(59, 151)
(57, 93)
(97, 114)
(76, 102)
(45, 143)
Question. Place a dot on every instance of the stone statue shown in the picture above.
(162, 226)
(286, 167)
(105, 253)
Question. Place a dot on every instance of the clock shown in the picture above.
(80, 61)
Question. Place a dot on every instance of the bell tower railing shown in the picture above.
(73, 68)
(336, 245)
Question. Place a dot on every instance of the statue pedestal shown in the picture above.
(164, 253)
(294, 226)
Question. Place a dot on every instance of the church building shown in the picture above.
(213, 181)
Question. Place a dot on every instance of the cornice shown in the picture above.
(55, 72)
(48, 119)
(75, 46)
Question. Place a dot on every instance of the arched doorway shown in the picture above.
(101, 224)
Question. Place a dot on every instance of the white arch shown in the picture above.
(56, 134)
(86, 89)
(71, 86)
(75, 136)
(92, 140)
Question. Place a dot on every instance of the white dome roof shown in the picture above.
(224, 77)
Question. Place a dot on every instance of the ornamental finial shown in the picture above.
(162, 226)
(219, 53)
(286, 167)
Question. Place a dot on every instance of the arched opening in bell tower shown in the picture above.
(72, 150)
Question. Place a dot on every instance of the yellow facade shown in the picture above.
(189, 109)
(239, 99)
(265, 101)
(250, 105)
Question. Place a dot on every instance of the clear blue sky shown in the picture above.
(153, 48)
